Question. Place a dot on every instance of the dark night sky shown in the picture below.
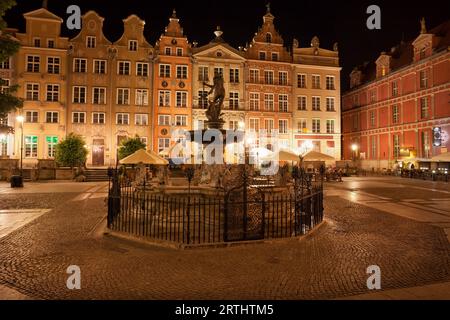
(343, 21)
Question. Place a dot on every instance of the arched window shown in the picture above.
(268, 38)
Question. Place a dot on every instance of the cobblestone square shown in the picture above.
(401, 225)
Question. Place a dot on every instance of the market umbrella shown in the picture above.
(145, 157)
(317, 156)
(282, 155)
(443, 157)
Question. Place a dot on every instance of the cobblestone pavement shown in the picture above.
(329, 263)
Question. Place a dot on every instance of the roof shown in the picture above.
(403, 53)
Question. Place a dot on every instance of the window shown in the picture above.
(254, 76)
(394, 88)
(51, 117)
(78, 117)
(282, 78)
(423, 107)
(4, 86)
(372, 118)
(98, 118)
(98, 95)
(395, 113)
(269, 125)
(233, 125)
(164, 120)
(31, 116)
(168, 51)
(90, 42)
(79, 94)
(31, 145)
(268, 77)
(396, 145)
(79, 65)
(425, 144)
(180, 52)
(316, 125)
(182, 72)
(37, 42)
(50, 43)
(234, 100)
(373, 146)
(283, 102)
(268, 38)
(6, 64)
(268, 102)
(234, 75)
(52, 92)
(218, 72)
(33, 63)
(32, 91)
(164, 98)
(144, 140)
(141, 97)
(274, 56)
(202, 99)
(181, 101)
(123, 96)
(422, 53)
(123, 118)
(330, 104)
(301, 103)
(262, 55)
(142, 69)
(132, 45)
(330, 83)
(52, 141)
(254, 124)
(423, 79)
(53, 64)
(301, 126)
(123, 68)
(141, 119)
(373, 95)
(100, 66)
(181, 120)
(203, 73)
(315, 81)
(301, 80)
(164, 70)
(282, 126)
(163, 143)
(330, 126)
(315, 103)
(254, 101)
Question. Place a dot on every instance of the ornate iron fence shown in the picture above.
(243, 212)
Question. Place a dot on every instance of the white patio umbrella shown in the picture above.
(443, 157)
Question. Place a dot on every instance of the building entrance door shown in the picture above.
(98, 152)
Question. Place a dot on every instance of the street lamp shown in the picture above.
(21, 119)
(354, 148)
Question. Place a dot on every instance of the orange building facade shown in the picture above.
(397, 109)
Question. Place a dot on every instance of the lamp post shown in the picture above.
(21, 119)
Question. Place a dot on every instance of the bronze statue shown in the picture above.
(215, 105)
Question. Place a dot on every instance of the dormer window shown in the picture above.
(168, 51)
(268, 38)
(422, 53)
(132, 45)
(37, 42)
(262, 55)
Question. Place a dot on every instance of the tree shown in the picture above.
(130, 146)
(71, 151)
(8, 46)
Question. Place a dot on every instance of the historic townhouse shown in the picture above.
(268, 85)
(110, 87)
(219, 58)
(109, 91)
(316, 99)
(41, 69)
(398, 107)
(172, 85)
(9, 79)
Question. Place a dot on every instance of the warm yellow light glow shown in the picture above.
(20, 118)
(354, 147)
